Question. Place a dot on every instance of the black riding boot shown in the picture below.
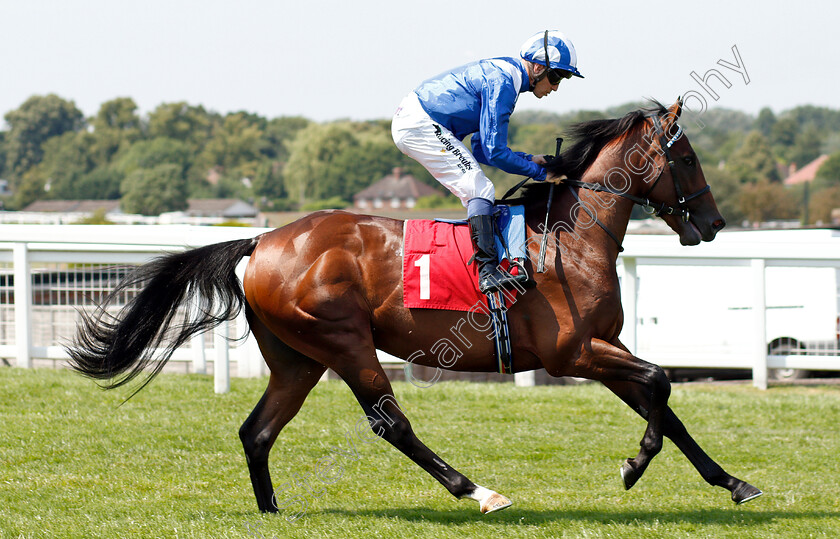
(490, 276)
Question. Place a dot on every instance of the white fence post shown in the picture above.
(760, 324)
(524, 379)
(221, 364)
(249, 360)
(23, 305)
(629, 298)
(199, 357)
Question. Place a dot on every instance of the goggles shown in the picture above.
(557, 75)
(554, 75)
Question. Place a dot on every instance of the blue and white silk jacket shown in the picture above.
(479, 98)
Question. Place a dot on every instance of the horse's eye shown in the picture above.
(689, 160)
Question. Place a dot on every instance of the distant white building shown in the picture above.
(229, 208)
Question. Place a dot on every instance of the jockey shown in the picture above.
(478, 99)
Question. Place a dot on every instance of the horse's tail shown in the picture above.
(118, 347)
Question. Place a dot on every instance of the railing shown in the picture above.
(754, 254)
(47, 272)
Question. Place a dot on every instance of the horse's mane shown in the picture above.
(590, 138)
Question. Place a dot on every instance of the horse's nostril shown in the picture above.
(717, 225)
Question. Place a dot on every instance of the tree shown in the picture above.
(98, 217)
(67, 158)
(586, 116)
(762, 201)
(2, 154)
(279, 133)
(30, 188)
(268, 181)
(821, 118)
(783, 135)
(828, 174)
(726, 190)
(437, 202)
(154, 191)
(315, 169)
(236, 146)
(180, 121)
(765, 122)
(360, 165)
(115, 127)
(101, 183)
(536, 139)
(753, 161)
(807, 146)
(37, 120)
(821, 207)
(829, 145)
(147, 154)
(68, 170)
(332, 203)
(715, 146)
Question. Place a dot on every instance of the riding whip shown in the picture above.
(544, 244)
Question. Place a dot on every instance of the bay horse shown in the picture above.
(326, 292)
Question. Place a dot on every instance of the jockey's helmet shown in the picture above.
(560, 50)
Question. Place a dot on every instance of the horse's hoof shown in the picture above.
(744, 493)
(628, 475)
(495, 502)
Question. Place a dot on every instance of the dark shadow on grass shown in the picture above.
(731, 516)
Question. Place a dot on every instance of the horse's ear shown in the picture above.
(676, 109)
(671, 115)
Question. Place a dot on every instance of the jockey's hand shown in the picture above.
(544, 160)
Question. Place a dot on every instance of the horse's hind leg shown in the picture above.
(635, 397)
(368, 382)
(293, 376)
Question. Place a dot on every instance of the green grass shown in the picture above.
(169, 463)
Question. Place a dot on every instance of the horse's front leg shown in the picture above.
(635, 397)
(607, 363)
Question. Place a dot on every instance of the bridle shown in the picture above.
(682, 200)
(658, 210)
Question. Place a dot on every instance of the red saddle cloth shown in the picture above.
(435, 270)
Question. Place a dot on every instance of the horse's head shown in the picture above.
(678, 191)
(644, 157)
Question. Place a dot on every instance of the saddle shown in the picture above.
(438, 272)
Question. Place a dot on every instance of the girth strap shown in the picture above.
(501, 332)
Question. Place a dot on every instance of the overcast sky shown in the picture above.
(334, 59)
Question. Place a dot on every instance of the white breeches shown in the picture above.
(437, 149)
